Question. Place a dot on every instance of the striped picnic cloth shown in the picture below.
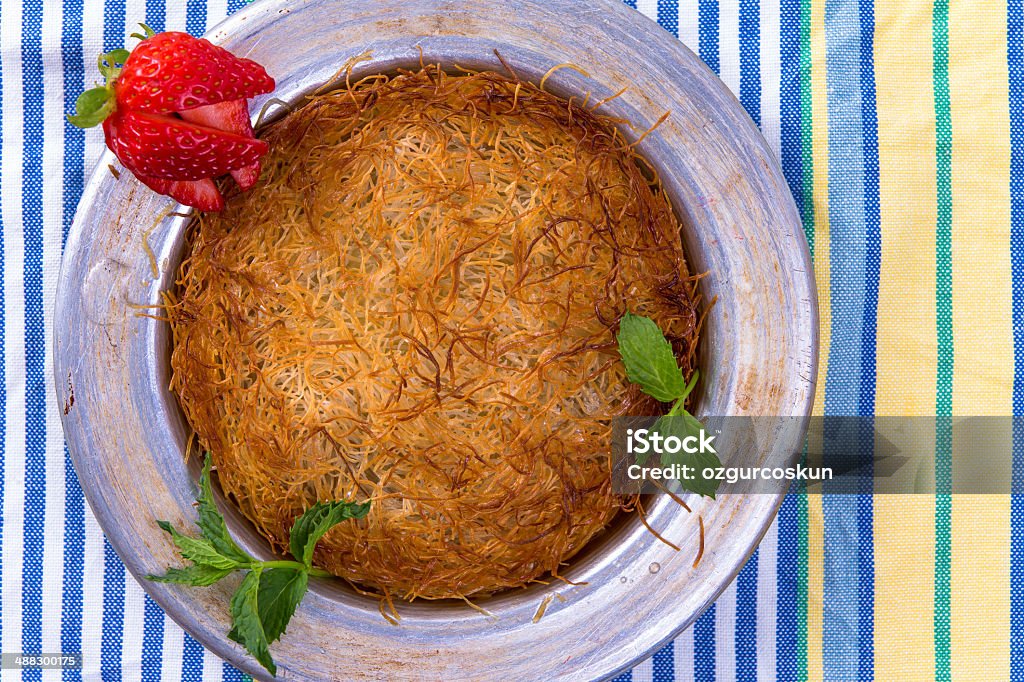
(900, 127)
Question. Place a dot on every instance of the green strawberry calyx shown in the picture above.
(95, 104)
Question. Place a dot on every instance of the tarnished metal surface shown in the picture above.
(126, 434)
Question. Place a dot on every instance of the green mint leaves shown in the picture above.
(649, 360)
(267, 598)
(682, 425)
(211, 523)
(247, 626)
(651, 364)
(280, 591)
(317, 520)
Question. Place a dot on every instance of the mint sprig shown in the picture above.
(651, 365)
(267, 598)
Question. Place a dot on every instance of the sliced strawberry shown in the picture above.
(170, 75)
(167, 147)
(173, 71)
(200, 194)
(232, 117)
(247, 177)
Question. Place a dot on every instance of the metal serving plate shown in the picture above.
(126, 434)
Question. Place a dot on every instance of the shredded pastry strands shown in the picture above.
(417, 306)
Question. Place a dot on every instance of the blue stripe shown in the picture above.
(750, 58)
(114, 16)
(664, 664)
(35, 387)
(624, 677)
(848, 646)
(233, 674)
(872, 219)
(73, 63)
(195, 20)
(746, 622)
(789, 100)
(191, 660)
(872, 275)
(74, 506)
(707, 11)
(866, 583)
(843, 389)
(152, 640)
(668, 16)
(787, 562)
(235, 5)
(787, 607)
(1015, 61)
(113, 615)
(74, 566)
(704, 647)
(156, 15)
(630, 3)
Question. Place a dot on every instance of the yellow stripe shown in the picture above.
(819, 155)
(822, 273)
(982, 333)
(904, 525)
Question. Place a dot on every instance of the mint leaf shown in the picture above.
(651, 364)
(280, 591)
(200, 551)
(316, 521)
(681, 426)
(649, 360)
(196, 576)
(267, 597)
(247, 628)
(211, 523)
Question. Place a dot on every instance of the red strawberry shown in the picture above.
(164, 147)
(201, 194)
(174, 72)
(232, 117)
(175, 113)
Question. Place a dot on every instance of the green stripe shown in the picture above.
(943, 330)
(807, 215)
(806, 124)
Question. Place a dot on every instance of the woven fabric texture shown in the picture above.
(900, 127)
